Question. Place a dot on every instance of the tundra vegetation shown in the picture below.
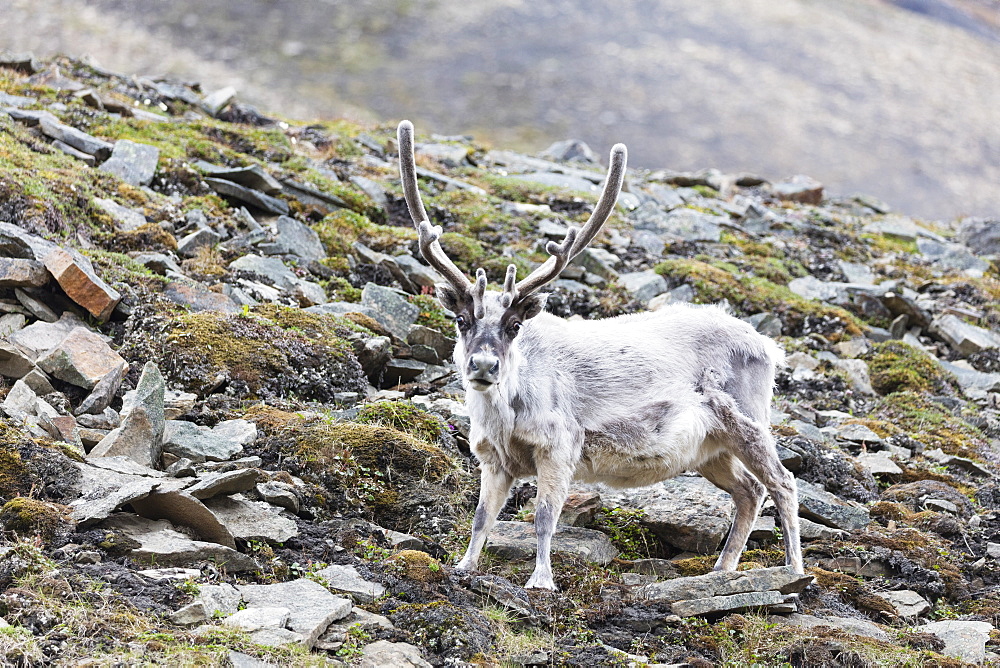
(332, 347)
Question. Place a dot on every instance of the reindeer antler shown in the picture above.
(576, 239)
(430, 246)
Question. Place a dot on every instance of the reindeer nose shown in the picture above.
(484, 367)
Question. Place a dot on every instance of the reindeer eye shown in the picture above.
(460, 321)
(515, 328)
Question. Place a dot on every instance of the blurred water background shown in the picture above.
(899, 99)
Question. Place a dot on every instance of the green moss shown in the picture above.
(402, 416)
(31, 517)
(417, 565)
(854, 591)
(625, 529)
(714, 281)
(14, 476)
(930, 424)
(884, 243)
(694, 565)
(899, 367)
(467, 253)
(339, 230)
(521, 190)
(373, 469)
(339, 289)
(271, 350)
(432, 314)
(706, 191)
(47, 190)
(470, 213)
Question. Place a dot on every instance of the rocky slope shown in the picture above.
(232, 434)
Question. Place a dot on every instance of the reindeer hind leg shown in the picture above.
(753, 444)
(727, 473)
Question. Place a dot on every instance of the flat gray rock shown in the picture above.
(228, 482)
(248, 196)
(132, 162)
(907, 603)
(878, 463)
(189, 244)
(819, 505)
(103, 490)
(279, 494)
(721, 605)
(271, 269)
(724, 583)
(982, 235)
(294, 238)
(517, 540)
(688, 512)
(222, 598)
(347, 580)
(643, 285)
(385, 654)
(103, 393)
(859, 627)
(252, 177)
(162, 545)
(962, 640)
(14, 363)
(312, 608)
(391, 309)
(199, 444)
(681, 224)
(22, 273)
(966, 339)
(78, 139)
(124, 218)
(252, 520)
(254, 619)
(970, 379)
(181, 509)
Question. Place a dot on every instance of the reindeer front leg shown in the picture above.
(493, 490)
(554, 476)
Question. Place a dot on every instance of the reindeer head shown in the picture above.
(489, 322)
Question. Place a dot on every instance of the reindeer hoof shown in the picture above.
(465, 565)
(537, 582)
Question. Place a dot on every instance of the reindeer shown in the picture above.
(627, 401)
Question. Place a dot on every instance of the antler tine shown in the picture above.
(509, 295)
(430, 247)
(606, 204)
(576, 240)
(550, 269)
(478, 291)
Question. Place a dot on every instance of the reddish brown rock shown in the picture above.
(82, 285)
(83, 358)
(199, 298)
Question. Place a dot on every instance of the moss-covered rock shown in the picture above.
(930, 424)
(714, 281)
(445, 629)
(339, 230)
(30, 517)
(372, 471)
(37, 469)
(417, 565)
(402, 416)
(267, 352)
(899, 367)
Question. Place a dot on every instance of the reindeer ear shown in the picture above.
(449, 297)
(531, 305)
